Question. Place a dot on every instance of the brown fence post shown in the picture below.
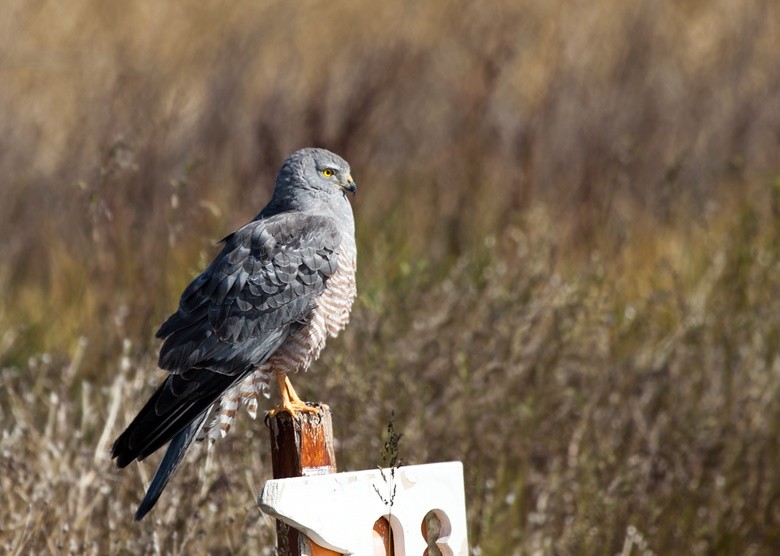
(299, 447)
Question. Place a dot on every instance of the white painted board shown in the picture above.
(338, 511)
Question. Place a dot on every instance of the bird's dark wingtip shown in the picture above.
(120, 451)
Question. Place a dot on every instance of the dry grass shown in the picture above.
(569, 258)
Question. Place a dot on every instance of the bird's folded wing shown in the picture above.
(267, 276)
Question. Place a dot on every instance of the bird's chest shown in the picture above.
(329, 317)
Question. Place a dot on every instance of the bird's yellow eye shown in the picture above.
(327, 172)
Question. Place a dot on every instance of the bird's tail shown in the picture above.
(171, 460)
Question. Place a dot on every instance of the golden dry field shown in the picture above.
(569, 259)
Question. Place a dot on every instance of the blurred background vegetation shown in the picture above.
(569, 236)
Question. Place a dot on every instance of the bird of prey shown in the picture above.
(264, 307)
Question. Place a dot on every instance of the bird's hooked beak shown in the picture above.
(349, 184)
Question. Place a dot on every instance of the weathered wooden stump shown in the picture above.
(301, 447)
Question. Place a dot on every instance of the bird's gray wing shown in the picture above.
(231, 318)
(267, 277)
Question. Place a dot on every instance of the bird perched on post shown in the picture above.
(264, 307)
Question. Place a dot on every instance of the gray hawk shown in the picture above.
(264, 307)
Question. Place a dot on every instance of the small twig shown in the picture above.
(391, 458)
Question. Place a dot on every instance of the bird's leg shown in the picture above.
(291, 403)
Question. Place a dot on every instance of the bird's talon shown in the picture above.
(294, 408)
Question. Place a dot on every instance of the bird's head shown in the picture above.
(316, 170)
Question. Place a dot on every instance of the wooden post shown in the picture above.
(301, 447)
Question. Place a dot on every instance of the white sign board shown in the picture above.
(338, 511)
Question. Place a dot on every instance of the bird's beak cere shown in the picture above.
(349, 184)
